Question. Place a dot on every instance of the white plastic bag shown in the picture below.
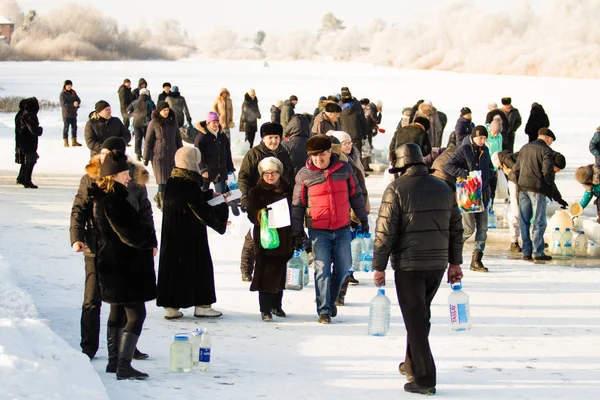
(502, 186)
(366, 149)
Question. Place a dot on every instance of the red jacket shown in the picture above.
(323, 198)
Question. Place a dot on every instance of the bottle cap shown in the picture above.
(197, 332)
(182, 337)
(381, 291)
(296, 254)
(568, 229)
(456, 286)
(557, 229)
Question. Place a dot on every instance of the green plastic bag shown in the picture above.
(269, 238)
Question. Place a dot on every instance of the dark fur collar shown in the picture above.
(186, 174)
(282, 188)
(157, 118)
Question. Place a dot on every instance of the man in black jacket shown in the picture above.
(70, 103)
(412, 133)
(352, 119)
(166, 90)
(125, 98)
(534, 171)
(514, 122)
(420, 227)
(83, 240)
(101, 126)
(270, 146)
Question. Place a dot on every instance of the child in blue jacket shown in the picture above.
(585, 176)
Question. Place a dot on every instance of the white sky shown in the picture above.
(246, 16)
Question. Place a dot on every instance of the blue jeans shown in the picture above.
(532, 204)
(70, 122)
(478, 223)
(220, 186)
(330, 247)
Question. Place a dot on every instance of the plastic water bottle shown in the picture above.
(591, 250)
(204, 351)
(195, 338)
(568, 243)
(366, 255)
(304, 259)
(294, 273)
(232, 181)
(460, 311)
(181, 353)
(492, 221)
(356, 248)
(581, 245)
(557, 239)
(380, 314)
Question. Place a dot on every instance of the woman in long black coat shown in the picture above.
(538, 119)
(270, 265)
(185, 272)
(125, 249)
(28, 130)
(162, 141)
(249, 117)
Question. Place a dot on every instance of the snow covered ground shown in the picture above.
(536, 327)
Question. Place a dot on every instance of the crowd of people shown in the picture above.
(317, 162)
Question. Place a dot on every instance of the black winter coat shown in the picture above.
(437, 168)
(469, 157)
(353, 122)
(216, 153)
(296, 134)
(19, 156)
(125, 98)
(514, 121)
(538, 119)
(185, 273)
(162, 142)
(98, 129)
(142, 111)
(250, 114)
(124, 244)
(534, 169)
(286, 112)
(136, 92)
(270, 266)
(28, 127)
(275, 115)
(248, 176)
(372, 121)
(464, 127)
(419, 224)
(67, 100)
(82, 225)
(178, 104)
(412, 133)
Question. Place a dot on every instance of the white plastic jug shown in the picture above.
(562, 220)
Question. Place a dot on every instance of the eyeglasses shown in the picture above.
(271, 173)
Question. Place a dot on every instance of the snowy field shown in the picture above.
(536, 330)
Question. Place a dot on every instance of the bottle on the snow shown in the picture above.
(557, 242)
(195, 338)
(581, 245)
(380, 314)
(294, 275)
(460, 311)
(356, 249)
(181, 353)
(204, 351)
(568, 243)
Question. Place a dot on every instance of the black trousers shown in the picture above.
(125, 118)
(415, 292)
(270, 301)
(140, 135)
(134, 314)
(248, 258)
(90, 310)
(508, 142)
(70, 122)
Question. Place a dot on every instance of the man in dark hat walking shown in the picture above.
(514, 122)
(101, 126)
(69, 102)
(125, 98)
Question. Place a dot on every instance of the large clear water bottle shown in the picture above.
(232, 182)
(460, 311)
(581, 245)
(557, 242)
(380, 314)
(294, 278)
(492, 222)
(305, 272)
(366, 255)
(204, 351)
(568, 243)
(195, 338)
(356, 248)
(181, 353)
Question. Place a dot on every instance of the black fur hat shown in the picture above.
(318, 144)
(333, 108)
(271, 128)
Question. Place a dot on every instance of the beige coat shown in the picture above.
(224, 107)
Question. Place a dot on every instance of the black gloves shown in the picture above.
(563, 204)
(297, 241)
(234, 204)
(364, 226)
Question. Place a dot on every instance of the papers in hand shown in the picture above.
(279, 214)
(231, 195)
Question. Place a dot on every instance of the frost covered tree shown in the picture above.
(259, 38)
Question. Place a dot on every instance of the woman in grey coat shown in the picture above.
(162, 141)
(178, 104)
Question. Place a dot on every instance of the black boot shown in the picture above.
(113, 338)
(341, 299)
(21, 177)
(126, 349)
(476, 264)
(28, 172)
(138, 355)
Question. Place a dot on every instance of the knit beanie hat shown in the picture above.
(270, 164)
(114, 163)
(271, 128)
(465, 111)
(293, 97)
(340, 135)
(161, 106)
(333, 108)
(479, 130)
(278, 103)
(188, 157)
(495, 126)
(144, 91)
(318, 144)
(115, 143)
(68, 82)
(559, 160)
(101, 105)
(166, 84)
(212, 116)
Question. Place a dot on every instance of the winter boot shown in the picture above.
(28, 172)
(74, 142)
(126, 349)
(21, 177)
(341, 299)
(353, 280)
(113, 338)
(206, 312)
(172, 313)
(476, 264)
(413, 387)
(138, 355)
(515, 248)
(66, 142)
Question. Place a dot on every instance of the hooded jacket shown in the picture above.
(250, 114)
(142, 111)
(98, 129)
(287, 112)
(216, 153)
(538, 119)
(275, 114)
(419, 224)
(437, 168)
(435, 125)
(296, 134)
(82, 226)
(136, 92)
(224, 107)
(162, 142)
(178, 104)
(353, 122)
(28, 127)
